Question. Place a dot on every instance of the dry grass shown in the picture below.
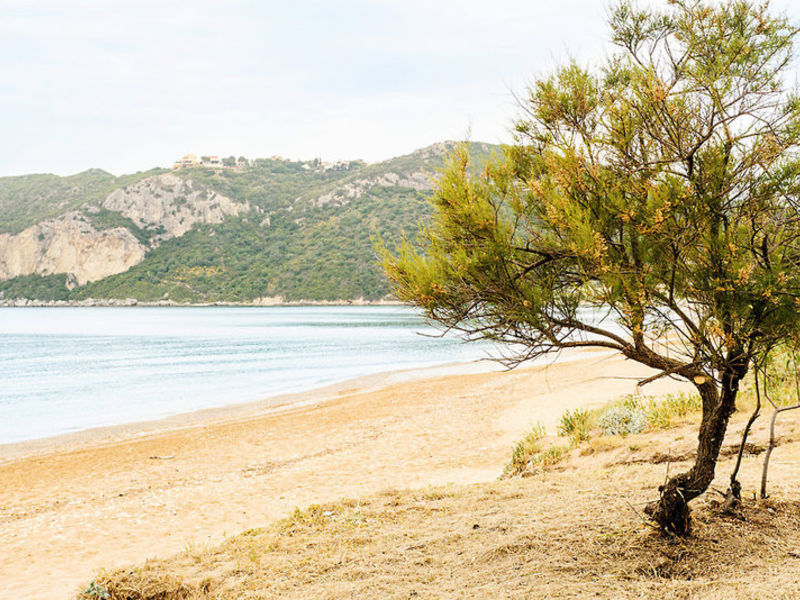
(585, 430)
(572, 532)
(571, 528)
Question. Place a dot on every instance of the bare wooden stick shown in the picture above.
(772, 442)
(642, 518)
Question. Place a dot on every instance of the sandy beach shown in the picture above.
(116, 496)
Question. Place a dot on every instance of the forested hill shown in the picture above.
(301, 230)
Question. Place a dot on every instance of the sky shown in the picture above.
(129, 85)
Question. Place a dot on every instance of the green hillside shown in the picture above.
(28, 199)
(309, 235)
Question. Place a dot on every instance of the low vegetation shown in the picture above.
(628, 415)
(531, 453)
(575, 424)
(533, 537)
(45, 288)
(326, 256)
(28, 199)
(565, 521)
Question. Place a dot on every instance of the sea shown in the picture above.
(67, 369)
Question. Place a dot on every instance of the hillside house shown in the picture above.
(190, 160)
(209, 162)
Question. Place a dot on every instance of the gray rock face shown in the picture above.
(171, 205)
(343, 194)
(69, 244)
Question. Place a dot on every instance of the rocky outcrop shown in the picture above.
(170, 206)
(69, 244)
(166, 206)
(344, 193)
(418, 180)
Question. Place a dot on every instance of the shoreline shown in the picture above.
(133, 302)
(117, 498)
(267, 406)
(217, 415)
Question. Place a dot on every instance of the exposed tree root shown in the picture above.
(671, 512)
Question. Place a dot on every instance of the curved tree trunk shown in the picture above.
(671, 511)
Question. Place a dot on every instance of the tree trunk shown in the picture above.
(671, 511)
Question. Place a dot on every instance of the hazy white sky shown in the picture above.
(127, 85)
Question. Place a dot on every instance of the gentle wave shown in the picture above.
(69, 369)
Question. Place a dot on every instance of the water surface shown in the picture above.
(66, 369)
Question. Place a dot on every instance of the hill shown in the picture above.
(300, 230)
(28, 199)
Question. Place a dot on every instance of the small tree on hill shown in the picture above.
(661, 191)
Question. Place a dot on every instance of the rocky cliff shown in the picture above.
(344, 193)
(69, 244)
(171, 206)
(272, 227)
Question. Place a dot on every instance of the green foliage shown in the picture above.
(529, 454)
(36, 287)
(634, 413)
(269, 184)
(664, 412)
(329, 256)
(627, 415)
(778, 377)
(548, 457)
(102, 218)
(96, 591)
(292, 244)
(576, 424)
(525, 450)
(648, 207)
(659, 182)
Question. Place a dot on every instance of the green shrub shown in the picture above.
(548, 457)
(575, 424)
(662, 413)
(96, 591)
(632, 414)
(529, 453)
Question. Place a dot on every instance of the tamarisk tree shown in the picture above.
(649, 206)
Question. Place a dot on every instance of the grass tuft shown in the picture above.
(576, 424)
(530, 453)
(634, 414)
(665, 412)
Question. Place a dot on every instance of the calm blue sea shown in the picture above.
(68, 369)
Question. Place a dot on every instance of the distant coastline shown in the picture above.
(130, 302)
